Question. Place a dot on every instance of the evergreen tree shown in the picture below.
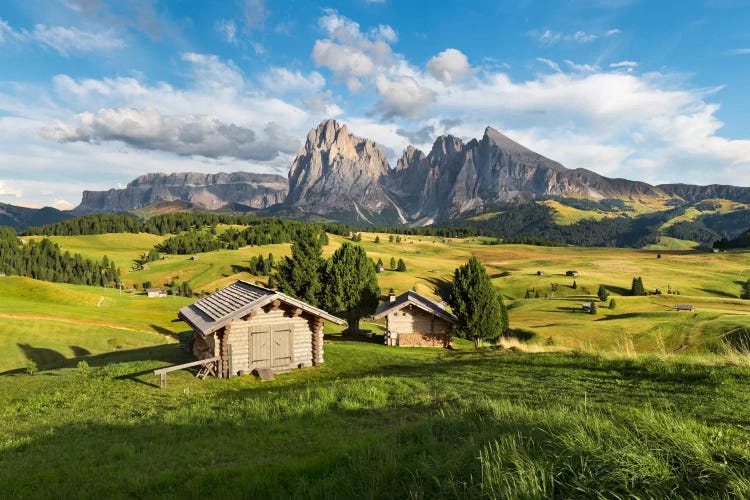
(602, 293)
(350, 286)
(401, 265)
(637, 289)
(612, 303)
(575, 285)
(594, 307)
(271, 282)
(299, 275)
(745, 290)
(528, 294)
(536, 294)
(477, 305)
(379, 264)
(323, 238)
(398, 239)
(390, 238)
(377, 239)
(393, 264)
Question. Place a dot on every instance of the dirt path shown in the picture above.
(71, 321)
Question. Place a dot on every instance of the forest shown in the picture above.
(43, 260)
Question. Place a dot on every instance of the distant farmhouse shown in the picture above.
(156, 292)
(415, 321)
(247, 327)
(586, 307)
(571, 273)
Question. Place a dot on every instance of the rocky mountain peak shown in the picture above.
(410, 157)
(445, 146)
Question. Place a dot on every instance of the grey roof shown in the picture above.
(413, 298)
(216, 310)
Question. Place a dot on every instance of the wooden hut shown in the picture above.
(571, 273)
(156, 292)
(249, 328)
(684, 307)
(415, 321)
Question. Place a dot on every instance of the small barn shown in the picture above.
(587, 307)
(415, 321)
(571, 273)
(684, 307)
(156, 292)
(380, 268)
(250, 328)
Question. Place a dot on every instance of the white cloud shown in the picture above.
(64, 40)
(612, 32)
(449, 65)
(624, 64)
(583, 37)
(546, 37)
(552, 64)
(255, 14)
(227, 29)
(350, 54)
(582, 68)
(7, 191)
(283, 80)
(402, 96)
(741, 52)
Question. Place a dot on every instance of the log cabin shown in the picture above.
(251, 328)
(415, 321)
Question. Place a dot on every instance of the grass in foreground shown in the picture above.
(377, 422)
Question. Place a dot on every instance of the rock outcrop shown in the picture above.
(337, 173)
(456, 178)
(208, 191)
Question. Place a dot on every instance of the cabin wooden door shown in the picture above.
(281, 345)
(261, 349)
(271, 346)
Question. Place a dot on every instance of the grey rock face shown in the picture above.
(455, 178)
(338, 172)
(210, 191)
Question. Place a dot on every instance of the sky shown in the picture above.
(94, 93)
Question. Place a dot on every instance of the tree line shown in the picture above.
(43, 260)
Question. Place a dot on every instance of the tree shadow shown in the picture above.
(240, 269)
(443, 287)
(165, 331)
(520, 334)
(617, 289)
(79, 351)
(719, 293)
(42, 357)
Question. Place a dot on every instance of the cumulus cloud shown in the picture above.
(449, 65)
(64, 40)
(349, 53)
(583, 37)
(183, 135)
(402, 96)
(283, 81)
(583, 68)
(8, 191)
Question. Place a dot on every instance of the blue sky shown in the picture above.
(94, 93)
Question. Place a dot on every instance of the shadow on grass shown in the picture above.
(719, 293)
(617, 289)
(49, 359)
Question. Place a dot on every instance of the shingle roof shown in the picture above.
(413, 298)
(216, 310)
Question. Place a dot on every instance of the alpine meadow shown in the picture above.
(374, 250)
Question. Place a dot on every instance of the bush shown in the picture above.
(31, 367)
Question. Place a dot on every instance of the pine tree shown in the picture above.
(612, 303)
(745, 290)
(299, 275)
(271, 282)
(390, 238)
(477, 305)
(575, 285)
(323, 238)
(602, 293)
(398, 239)
(637, 289)
(350, 286)
(594, 308)
(377, 239)
(380, 264)
(401, 265)
(528, 294)
(393, 264)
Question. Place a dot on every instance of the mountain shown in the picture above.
(457, 178)
(337, 173)
(206, 191)
(20, 218)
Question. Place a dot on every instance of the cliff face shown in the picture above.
(455, 178)
(336, 172)
(209, 191)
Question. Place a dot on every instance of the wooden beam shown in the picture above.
(297, 311)
(250, 315)
(162, 372)
(276, 305)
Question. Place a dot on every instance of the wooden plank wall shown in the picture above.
(302, 337)
(412, 320)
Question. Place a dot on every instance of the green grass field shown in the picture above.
(602, 410)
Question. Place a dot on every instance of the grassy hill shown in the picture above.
(570, 408)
